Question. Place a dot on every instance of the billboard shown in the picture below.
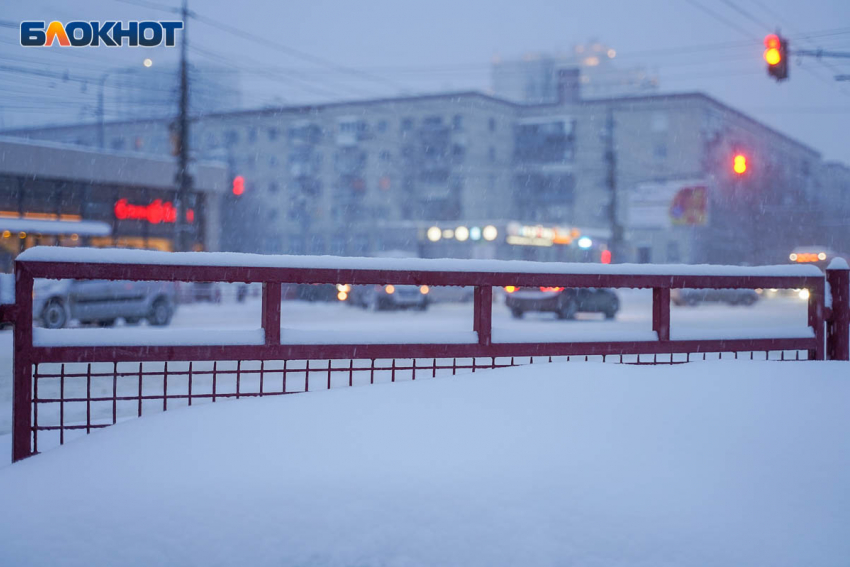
(668, 204)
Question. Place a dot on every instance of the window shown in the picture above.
(673, 254)
(644, 255)
(491, 154)
(491, 124)
(273, 133)
(231, 138)
(385, 155)
(660, 122)
(406, 124)
(457, 122)
(272, 161)
(273, 187)
(117, 143)
(458, 152)
(252, 135)
(660, 151)
(382, 126)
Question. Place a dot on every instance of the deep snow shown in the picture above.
(721, 463)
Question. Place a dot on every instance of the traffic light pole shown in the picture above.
(611, 181)
(184, 179)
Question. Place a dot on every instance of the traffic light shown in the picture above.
(739, 164)
(238, 185)
(776, 55)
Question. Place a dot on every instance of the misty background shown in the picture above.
(272, 53)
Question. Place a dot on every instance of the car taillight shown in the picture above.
(551, 289)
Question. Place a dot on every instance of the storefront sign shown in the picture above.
(155, 213)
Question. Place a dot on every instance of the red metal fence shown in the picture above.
(68, 390)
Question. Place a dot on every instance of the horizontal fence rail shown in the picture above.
(62, 390)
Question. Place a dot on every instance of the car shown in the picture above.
(565, 302)
(451, 294)
(101, 302)
(730, 296)
(379, 297)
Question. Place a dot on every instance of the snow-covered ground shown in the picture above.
(722, 463)
(773, 317)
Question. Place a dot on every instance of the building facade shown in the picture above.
(362, 177)
(57, 194)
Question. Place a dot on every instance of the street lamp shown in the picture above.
(148, 62)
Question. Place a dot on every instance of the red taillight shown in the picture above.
(551, 289)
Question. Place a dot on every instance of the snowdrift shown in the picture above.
(721, 463)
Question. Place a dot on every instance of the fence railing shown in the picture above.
(63, 389)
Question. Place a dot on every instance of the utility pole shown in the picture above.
(616, 242)
(184, 180)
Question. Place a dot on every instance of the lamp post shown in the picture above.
(100, 110)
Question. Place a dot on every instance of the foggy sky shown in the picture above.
(438, 45)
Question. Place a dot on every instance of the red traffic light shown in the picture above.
(238, 185)
(739, 164)
(776, 55)
(606, 257)
(772, 53)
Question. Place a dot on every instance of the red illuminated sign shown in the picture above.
(155, 213)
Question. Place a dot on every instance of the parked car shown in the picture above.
(56, 302)
(729, 296)
(450, 294)
(564, 302)
(378, 297)
(316, 292)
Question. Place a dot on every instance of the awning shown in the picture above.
(56, 227)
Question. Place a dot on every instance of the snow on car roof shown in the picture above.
(236, 259)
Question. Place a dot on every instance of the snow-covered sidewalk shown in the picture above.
(722, 463)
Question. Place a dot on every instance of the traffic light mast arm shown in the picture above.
(819, 53)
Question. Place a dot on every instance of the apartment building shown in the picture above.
(362, 177)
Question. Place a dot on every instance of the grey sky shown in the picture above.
(442, 44)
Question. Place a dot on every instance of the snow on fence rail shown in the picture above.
(62, 388)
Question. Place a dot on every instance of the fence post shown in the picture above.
(816, 319)
(483, 313)
(271, 312)
(661, 312)
(838, 327)
(23, 359)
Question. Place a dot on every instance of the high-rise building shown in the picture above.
(589, 71)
